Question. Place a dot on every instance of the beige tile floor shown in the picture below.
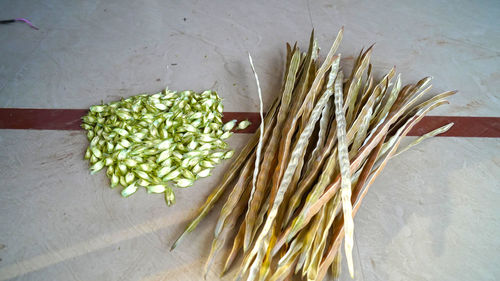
(431, 215)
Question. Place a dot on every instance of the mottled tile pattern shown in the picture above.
(431, 215)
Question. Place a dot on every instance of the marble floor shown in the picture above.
(433, 214)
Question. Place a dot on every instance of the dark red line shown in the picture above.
(464, 126)
(70, 119)
(41, 119)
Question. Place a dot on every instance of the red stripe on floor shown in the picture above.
(464, 126)
(69, 119)
(41, 119)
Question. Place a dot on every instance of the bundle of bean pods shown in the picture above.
(295, 188)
